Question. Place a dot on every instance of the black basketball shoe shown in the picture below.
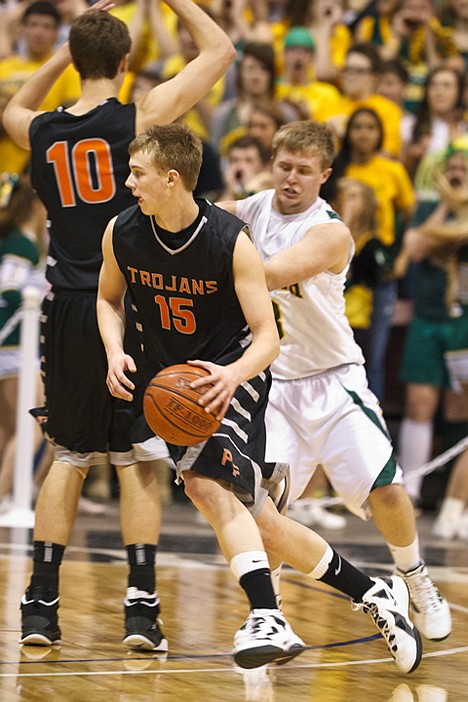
(142, 625)
(39, 622)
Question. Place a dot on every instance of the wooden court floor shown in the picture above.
(346, 660)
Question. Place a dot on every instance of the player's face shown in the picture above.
(147, 184)
(297, 178)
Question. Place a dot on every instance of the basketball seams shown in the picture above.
(173, 391)
(169, 421)
(172, 408)
(184, 369)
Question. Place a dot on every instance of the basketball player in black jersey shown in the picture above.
(199, 289)
(79, 162)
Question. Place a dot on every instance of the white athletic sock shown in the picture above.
(248, 561)
(414, 450)
(406, 557)
(323, 564)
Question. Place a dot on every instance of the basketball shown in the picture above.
(171, 406)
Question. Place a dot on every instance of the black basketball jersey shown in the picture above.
(183, 286)
(79, 165)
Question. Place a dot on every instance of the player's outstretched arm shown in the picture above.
(325, 247)
(23, 106)
(111, 320)
(168, 101)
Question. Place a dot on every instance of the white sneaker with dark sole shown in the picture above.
(429, 609)
(265, 637)
(387, 603)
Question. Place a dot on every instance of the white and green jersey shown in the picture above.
(314, 330)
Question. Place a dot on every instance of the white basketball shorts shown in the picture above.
(333, 420)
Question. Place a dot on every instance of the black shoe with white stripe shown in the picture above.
(142, 625)
(39, 622)
(387, 602)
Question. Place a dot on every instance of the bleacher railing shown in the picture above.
(21, 513)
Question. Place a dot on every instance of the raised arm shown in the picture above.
(23, 106)
(165, 103)
(111, 320)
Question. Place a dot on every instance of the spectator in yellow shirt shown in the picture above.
(324, 20)
(360, 158)
(297, 86)
(40, 25)
(360, 77)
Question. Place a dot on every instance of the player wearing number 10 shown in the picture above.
(79, 163)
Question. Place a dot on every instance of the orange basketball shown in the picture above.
(171, 406)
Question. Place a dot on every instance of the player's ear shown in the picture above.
(172, 177)
(124, 63)
(326, 174)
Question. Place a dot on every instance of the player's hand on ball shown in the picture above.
(118, 382)
(221, 385)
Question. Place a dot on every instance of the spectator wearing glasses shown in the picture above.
(359, 89)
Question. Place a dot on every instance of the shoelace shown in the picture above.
(381, 623)
(424, 592)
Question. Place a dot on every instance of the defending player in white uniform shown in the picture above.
(321, 410)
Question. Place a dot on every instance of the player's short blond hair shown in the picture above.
(172, 146)
(308, 137)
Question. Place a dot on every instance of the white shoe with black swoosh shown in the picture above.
(429, 609)
(387, 602)
(265, 637)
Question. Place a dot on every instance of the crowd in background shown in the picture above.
(388, 75)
